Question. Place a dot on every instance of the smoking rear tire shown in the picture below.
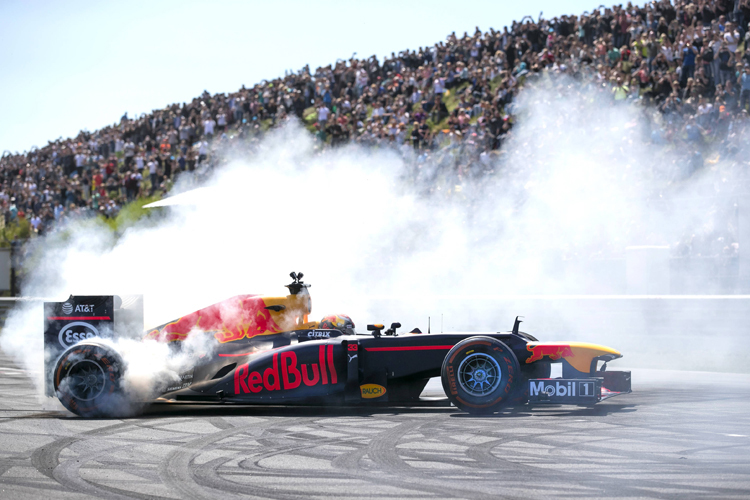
(88, 380)
(480, 375)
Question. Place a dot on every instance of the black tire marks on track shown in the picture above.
(653, 443)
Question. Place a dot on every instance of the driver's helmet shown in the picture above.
(340, 322)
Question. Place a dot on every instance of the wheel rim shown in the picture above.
(479, 374)
(85, 380)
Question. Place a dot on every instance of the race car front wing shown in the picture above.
(581, 391)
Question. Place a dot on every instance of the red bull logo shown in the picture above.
(285, 373)
(554, 351)
(233, 319)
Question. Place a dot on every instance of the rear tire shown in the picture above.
(480, 375)
(88, 381)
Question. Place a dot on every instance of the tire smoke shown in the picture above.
(392, 235)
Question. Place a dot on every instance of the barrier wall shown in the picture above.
(691, 332)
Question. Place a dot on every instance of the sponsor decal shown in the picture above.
(557, 388)
(318, 334)
(452, 380)
(370, 391)
(352, 348)
(186, 380)
(554, 352)
(68, 308)
(75, 332)
(509, 365)
(586, 388)
(286, 374)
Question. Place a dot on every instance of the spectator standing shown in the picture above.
(208, 127)
(13, 210)
(139, 161)
(129, 151)
(36, 222)
(153, 176)
(80, 160)
(202, 151)
(184, 135)
(620, 90)
(745, 92)
(323, 112)
(732, 37)
(726, 64)
(168, 161)
(688, 63)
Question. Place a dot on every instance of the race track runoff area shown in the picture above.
(679, 434)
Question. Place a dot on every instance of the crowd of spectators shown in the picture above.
(687, 61)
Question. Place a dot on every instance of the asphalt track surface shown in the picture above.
(680, 434)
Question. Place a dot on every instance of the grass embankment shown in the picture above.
(131, 213)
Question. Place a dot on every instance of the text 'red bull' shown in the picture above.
(554, 352)
(230, 320)
(285, 373)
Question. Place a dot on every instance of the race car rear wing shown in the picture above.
(82, 317)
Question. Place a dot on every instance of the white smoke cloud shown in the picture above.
(576, 181)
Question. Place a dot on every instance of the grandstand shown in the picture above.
(685, 62)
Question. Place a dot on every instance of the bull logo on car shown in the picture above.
(244, 316)
(554, 351)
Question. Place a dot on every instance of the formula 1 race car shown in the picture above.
(264, 350)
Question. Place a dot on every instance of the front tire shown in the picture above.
(480, 375)
(88, 380)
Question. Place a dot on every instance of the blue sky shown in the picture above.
(75, 65)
